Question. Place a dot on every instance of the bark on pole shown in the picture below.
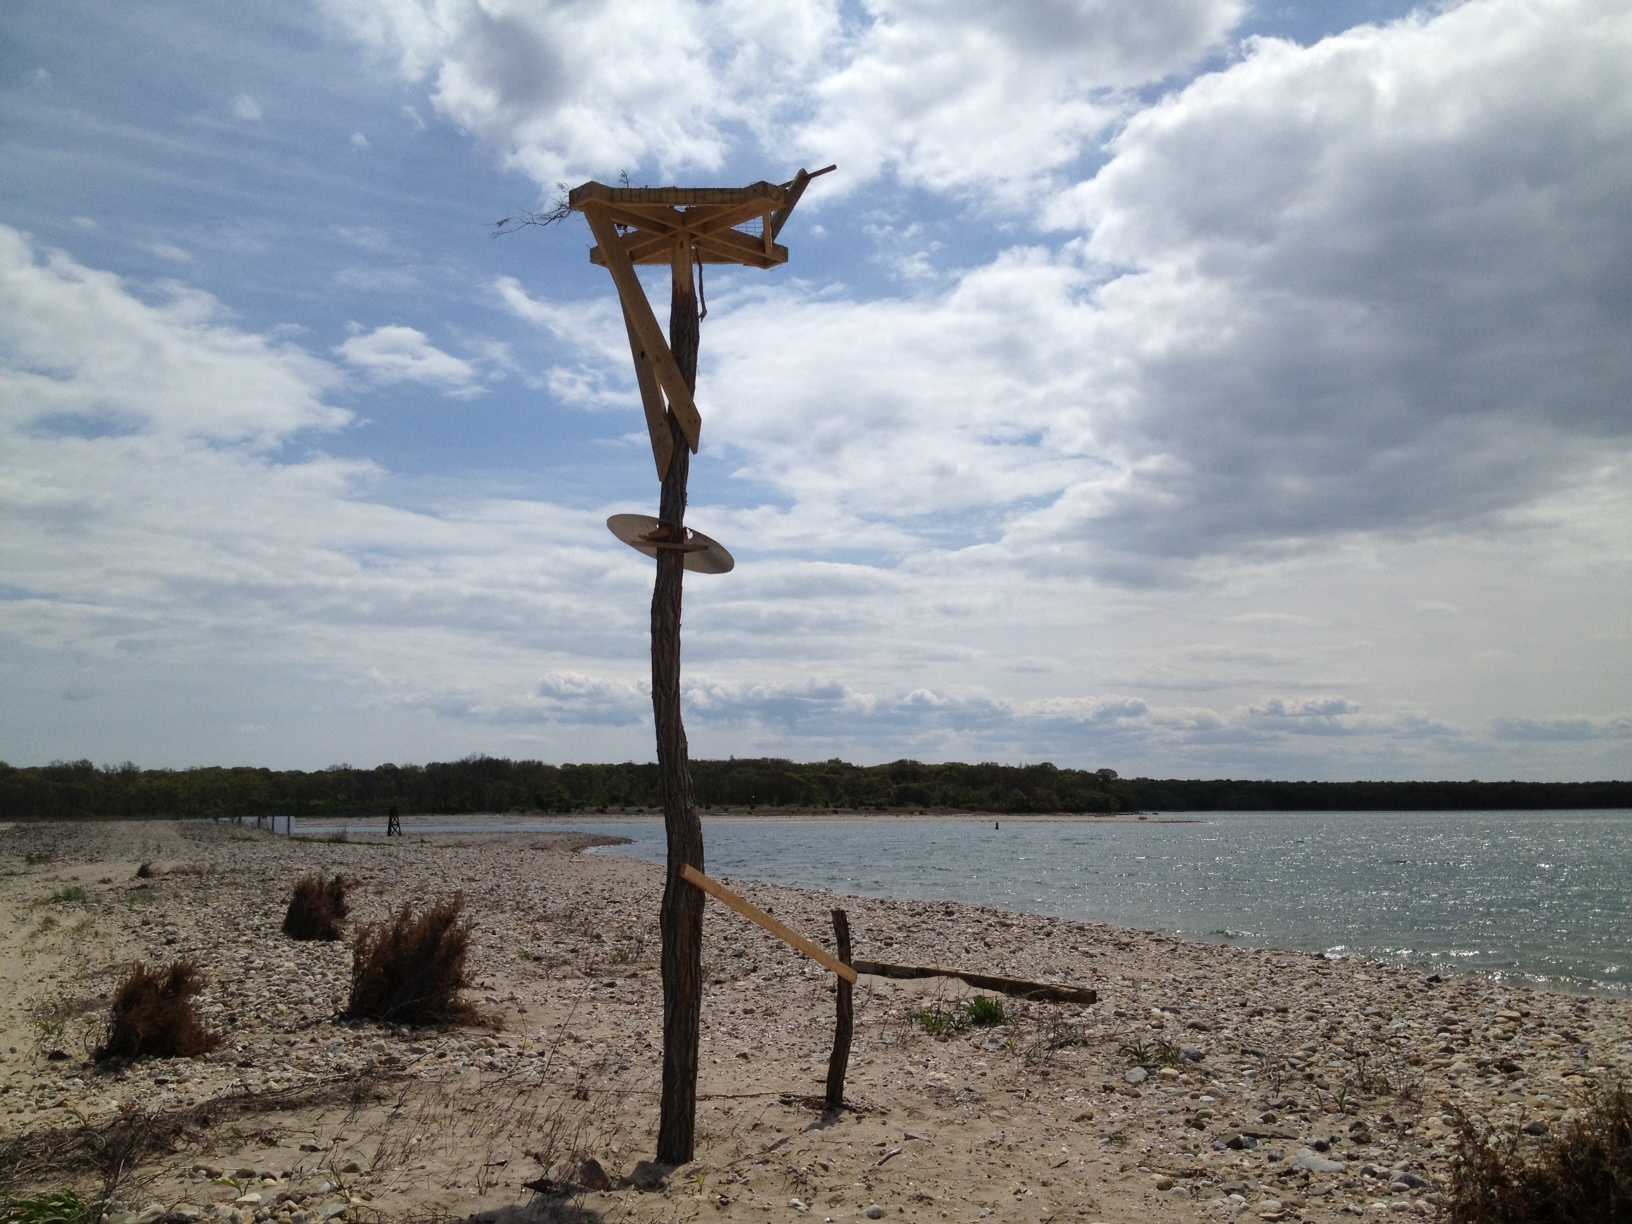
(682, 915)
(838, 1064)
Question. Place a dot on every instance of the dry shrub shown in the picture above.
(411, 970)
(146, 871)
(1584, 1176)
(152, 1014)
(316, 908)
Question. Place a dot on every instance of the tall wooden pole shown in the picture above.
(682, 916)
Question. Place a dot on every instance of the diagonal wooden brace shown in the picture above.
(639, 312)
(651, 397)
(753, 913)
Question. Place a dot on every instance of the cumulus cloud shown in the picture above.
(397, 354)
(84, 354)
(155, 509)
(977, 97)
(966, 95)
(1545, 730)
(1366, 286)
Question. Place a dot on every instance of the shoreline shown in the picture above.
(1446, 962)
(1040, 1116)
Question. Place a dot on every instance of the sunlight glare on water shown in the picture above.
(1535, 897)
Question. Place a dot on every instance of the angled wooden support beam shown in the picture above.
(640, 314)
(651, 398)
(794, 189)
(753, 913)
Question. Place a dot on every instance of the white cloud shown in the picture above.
(164, 541)
(171, 371)
(396, 354)
(1298, 448)
(980, 97)
(246, 108)
(1367, 286)
(966, 96)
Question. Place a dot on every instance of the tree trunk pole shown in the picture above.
(682, 916)
(844, 1028)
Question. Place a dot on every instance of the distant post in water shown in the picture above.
(684, 228)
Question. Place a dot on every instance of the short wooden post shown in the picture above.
(844, 1028)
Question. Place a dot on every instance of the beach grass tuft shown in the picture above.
(61, 1207)
(1583, 1176)
(153, 1014)
(317, 906)
(411, 969)
(940, 1020)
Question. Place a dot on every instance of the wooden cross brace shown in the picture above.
(678, 226)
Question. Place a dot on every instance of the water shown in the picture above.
(1537, 898)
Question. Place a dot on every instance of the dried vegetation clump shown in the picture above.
(1584, 1176)
(411, 970)
(316, 908)
(153, 1014)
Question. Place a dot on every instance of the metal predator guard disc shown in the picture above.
(646, 534)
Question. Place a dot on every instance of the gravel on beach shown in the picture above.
(1207, 1082)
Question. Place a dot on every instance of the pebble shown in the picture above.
(1318, 1164)
(1135, 1075)
(874, 1212)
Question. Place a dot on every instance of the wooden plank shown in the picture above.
(651, 398)
(651, 335)
(753, 913)
(1051, 992)
(680, 197)
(699, 223)
(743, 248)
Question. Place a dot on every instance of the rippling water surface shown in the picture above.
(1541, 897)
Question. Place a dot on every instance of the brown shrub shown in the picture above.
(152, 1013)
(146, 871)
(1584, 1176)
(316, 908)
(411, 970)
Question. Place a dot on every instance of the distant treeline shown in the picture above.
(80, 790)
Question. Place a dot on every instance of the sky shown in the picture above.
(1188, 388)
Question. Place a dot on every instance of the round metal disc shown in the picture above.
(643, 533)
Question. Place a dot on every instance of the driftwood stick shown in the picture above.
(1018, 988)
(845, 1026)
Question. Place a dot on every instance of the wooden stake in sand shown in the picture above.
(844, 1026)
(683, 228)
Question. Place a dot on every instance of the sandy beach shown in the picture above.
(1306, 1088)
